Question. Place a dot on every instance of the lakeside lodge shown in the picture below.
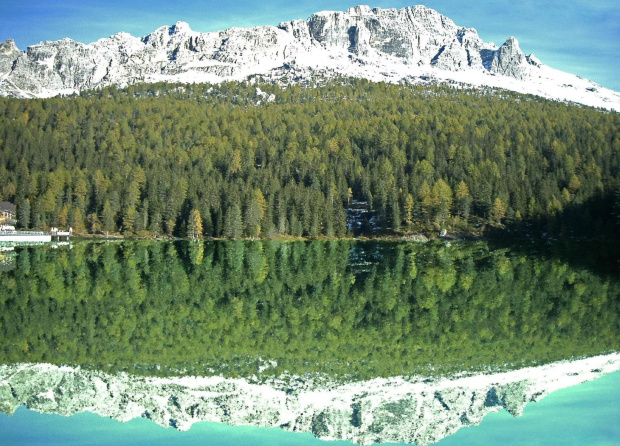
(8, 233)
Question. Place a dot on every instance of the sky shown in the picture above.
(578, 36)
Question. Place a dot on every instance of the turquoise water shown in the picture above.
(26, 427)
(361, 309)
(588, 414)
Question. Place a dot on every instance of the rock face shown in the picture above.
(399, 409)
(414, 44)
(509, 60)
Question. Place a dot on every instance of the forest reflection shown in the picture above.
(353, 310)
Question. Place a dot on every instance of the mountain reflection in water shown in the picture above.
(302, 318)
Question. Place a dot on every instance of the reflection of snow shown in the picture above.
(398, 409)
(357, 214)
(265, 365)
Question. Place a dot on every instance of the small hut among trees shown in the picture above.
(8, 212)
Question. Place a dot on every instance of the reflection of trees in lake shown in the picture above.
(363, 309)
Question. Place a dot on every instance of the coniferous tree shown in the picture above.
(442, 201)
(253, 218)
(129, 219)
(194, 226)
(409, 205)
(62, 219)
(463, 200)
(498, 212)
(77, 221)
(617, 203)
(108, 218)
(94, 224)
(23, 213)
(233, 222)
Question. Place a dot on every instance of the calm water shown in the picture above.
(587, 414)
(344, 311)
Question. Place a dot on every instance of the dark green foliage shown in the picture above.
(233, 224)
(617, 204)
(142, 158)
(353, 309)
(23, 218)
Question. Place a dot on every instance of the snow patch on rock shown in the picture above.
(406, 45)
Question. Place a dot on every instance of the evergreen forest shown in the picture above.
(349, 309)
(227, 161)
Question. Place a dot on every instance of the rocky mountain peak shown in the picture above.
(360, 10)
(180, 28)
(164, 35)
(512, 42)
(7, 47)
(8, 57)
(510, 61)
(415, 44)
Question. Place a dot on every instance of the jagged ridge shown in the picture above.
(414, 409)
(413, 44)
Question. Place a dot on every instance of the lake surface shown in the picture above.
(346, 339)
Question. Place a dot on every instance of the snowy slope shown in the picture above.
(398, 409)
(414, 44)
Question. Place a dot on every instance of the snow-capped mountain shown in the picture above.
(415, 44)
(400, 409)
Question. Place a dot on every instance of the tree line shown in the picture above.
(219, 161)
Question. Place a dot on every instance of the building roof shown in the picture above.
(7, 207)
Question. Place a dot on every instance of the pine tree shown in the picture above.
(194, 225)
(409, 204)
(498, 211)
(394, 211)
(77, 220)
(442, 201)
(62, 219)
(235, 163)
(129, 219)
(617, 203)
(574, 184)
(233, 223)
(23, 214)
(170, 225)
(94, 224)
(108, 218)
(463, 200)
(426, 199)
(207, 223)
(253, 216)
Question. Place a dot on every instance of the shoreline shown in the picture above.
(420, 237)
